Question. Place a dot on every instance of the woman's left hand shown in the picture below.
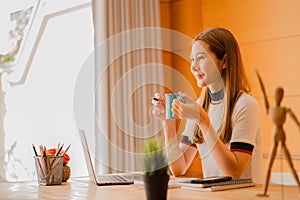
(188, 110)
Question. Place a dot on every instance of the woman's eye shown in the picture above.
(199, 57)
(196, 58)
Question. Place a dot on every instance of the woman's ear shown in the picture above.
(224, 61)
(224, 65)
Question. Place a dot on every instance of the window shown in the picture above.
(39, 108)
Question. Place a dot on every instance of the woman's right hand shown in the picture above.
(159, 107)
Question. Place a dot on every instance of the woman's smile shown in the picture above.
(199, 76)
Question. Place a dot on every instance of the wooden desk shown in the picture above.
(83, 189)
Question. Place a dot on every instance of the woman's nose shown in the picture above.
(194, 66)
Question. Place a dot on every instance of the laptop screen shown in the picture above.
(107, 179)
(87, 155)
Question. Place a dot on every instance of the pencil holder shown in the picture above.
(49, 169)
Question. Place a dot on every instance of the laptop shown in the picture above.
(102, 180)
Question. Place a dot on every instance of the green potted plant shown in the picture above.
(156, 170)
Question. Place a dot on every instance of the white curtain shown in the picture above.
(127, 72)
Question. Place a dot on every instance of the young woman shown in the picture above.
(224, 124)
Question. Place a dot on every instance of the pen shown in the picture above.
(34, 149)
(41, 151)
(156, 99)
(67, 149)
(58, 146)
(57, 154)
(38, 161)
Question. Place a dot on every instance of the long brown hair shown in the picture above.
(223, 44)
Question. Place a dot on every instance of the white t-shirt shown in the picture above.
(246, 136)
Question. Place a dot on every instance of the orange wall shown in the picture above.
(269, 35)
(176, 15)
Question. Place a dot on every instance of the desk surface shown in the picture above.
(82, 188)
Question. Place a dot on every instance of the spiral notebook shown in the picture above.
(225, 185)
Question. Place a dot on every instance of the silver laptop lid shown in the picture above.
(87, 156)
(107, 179)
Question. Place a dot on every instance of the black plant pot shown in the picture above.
(156, 187)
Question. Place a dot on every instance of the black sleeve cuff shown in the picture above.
(241, 147)
(185, 140)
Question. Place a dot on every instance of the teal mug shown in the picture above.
(169, 100)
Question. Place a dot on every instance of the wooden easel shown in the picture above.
(278, 117)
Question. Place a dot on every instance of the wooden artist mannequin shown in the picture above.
(278, 117)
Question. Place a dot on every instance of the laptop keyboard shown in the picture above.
(112, 178)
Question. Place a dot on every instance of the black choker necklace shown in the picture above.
(216, 96)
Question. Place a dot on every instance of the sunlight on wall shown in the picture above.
(40, 111)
